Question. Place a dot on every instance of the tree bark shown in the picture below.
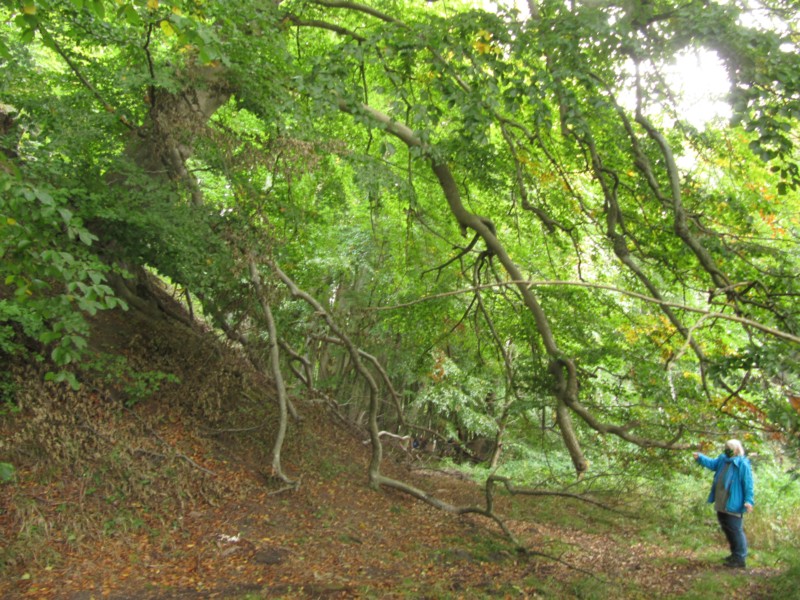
(275, 369)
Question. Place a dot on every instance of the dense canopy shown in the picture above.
(465, 223)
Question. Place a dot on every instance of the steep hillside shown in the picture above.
(153, 481)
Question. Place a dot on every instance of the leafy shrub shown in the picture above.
(135, 386)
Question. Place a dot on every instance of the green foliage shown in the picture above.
(52, 275)
(458, 399)
(7, 472)
(785, 584)
(135, 386)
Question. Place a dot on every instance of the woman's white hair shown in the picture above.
(736, 446)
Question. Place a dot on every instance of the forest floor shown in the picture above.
(241, 535)
(334, 537)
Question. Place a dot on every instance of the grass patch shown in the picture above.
(330, 468)
(786, 586)
(592, 588)
(713, 585)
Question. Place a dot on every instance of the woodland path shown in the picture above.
(336, 538)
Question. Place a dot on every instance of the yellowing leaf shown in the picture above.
(167, 28)
(176, 10)
(482, 47)
(152, 4)
(29, 8)
(11, 221)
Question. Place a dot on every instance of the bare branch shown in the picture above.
(600, 286)
(363, 8)
(50, 40)
(316, 24)
(680, 218)
(381, 371)
(514, 490)
(305, 377)
(377, 451)
(275, 369)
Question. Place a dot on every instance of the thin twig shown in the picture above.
(600, 286)
(49, 39)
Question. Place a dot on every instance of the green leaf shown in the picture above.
(5, 53)
(66, 215)
(44, 197)
(7, 472)
(167, 28)
(98, 9)
(77, 341)
(86, 236)
(61, 355)
(131, 15)
(27, 35)
(64, 377)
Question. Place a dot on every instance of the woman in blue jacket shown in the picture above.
(732, 495)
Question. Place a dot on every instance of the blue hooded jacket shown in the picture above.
(738, 480)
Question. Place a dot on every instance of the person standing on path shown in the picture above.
(732, 496)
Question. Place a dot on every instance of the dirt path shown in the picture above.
(336, 538)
